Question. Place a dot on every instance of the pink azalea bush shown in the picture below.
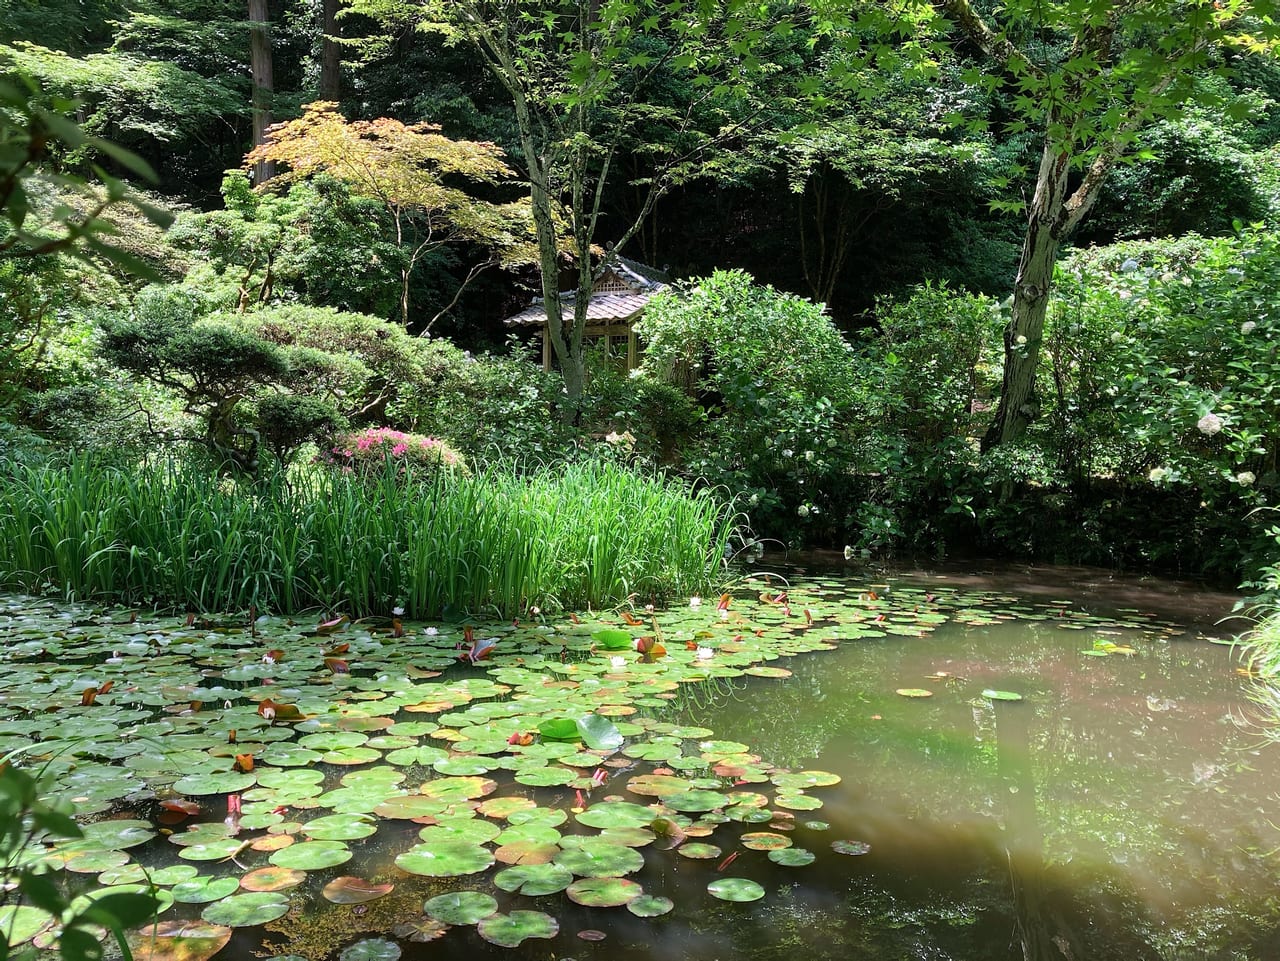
(367, 452)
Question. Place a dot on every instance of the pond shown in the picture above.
(1036, 764)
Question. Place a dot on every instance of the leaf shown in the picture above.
(599, 733)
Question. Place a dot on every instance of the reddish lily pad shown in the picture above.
(179, 941)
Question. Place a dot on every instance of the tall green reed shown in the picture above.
(176, 537)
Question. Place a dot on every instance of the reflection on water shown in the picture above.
(1120, 811)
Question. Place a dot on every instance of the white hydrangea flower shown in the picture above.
(1209, 424)
(1247, 326)
(1157, 475)
(1245, 478)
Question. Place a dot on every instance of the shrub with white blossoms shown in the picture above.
(1245, 478)
(1209, 424)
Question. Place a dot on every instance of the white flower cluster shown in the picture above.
(1209, 424)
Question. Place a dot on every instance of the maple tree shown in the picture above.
(413, 171)
(592, 82)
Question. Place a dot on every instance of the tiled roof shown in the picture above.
(605, 305)
(600, 307)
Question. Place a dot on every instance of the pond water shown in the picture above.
(1121, 809)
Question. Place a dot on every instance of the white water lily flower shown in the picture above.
(1209, 424)
(431, 631)
(397, 611)
(695, 602)
(705, 653)
(617, 662)
(1245, 478)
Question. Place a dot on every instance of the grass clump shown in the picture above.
(177, 537)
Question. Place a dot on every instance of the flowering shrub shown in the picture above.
(368, 452)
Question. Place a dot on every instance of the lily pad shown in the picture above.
(272, 879)
(445, 859)
(461, 907)
(509, 930)
(1001, 695)
(792, 857)
(247, 910)
(603, 892)
(353, 890)
(594, 858)
(534, 879)
(203, 889)
(914, 692)
(190, 940)
(650, 906)
(735, 889)
(850, 847)
(312, 855)
(371, 949)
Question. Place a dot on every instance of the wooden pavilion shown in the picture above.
(619, 295)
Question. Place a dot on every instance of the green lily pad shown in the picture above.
(226, 782)
(612, 814)
(650, 906)
(203, 889)
(534, 879)
(339, 827)
(695, 801)
(800, 780)
(247, 910)
(612, 639)
(22, 922)
(599, 733)
(699, 851)
(1001, 695)
(461, 907)
(559, 729)
(603, 892)
(311, 855)
(371, 949)
(117, 834)
(593, 858)
(445, 859)
(792, 857)
(914, 692)
(735, 889)
(850, 847)
(509, 930)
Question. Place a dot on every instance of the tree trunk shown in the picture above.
(330, 52)
(263, 83)
(1018, 406)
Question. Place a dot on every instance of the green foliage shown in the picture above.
(492, 407)
(287, 421)
(233, 372)
(30, 131)
(26, 821)
(184, 538)
(130, 99)
(778, 382)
